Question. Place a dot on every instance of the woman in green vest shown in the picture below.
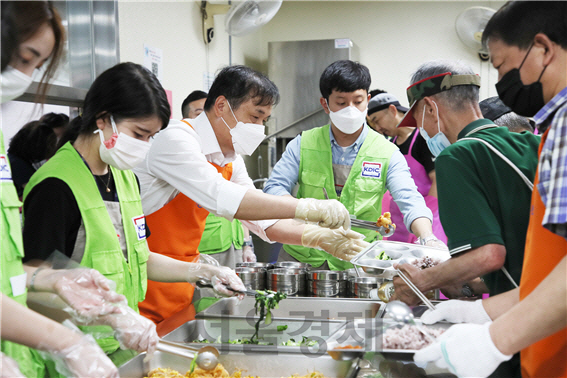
(31, 33)
(93, 198)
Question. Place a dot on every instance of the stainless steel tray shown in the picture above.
(316, 309)
(230, 328)
(366, 334)
(397, 251)
(263, 366)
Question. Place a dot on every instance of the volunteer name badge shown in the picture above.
(140, 226)
(371, 170)
(5, 173)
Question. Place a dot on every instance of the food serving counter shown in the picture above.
(327, 322)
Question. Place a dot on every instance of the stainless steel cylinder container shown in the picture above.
(360, 286)
(293, 265)
(264, 265)
(288, 281)
(252, 278)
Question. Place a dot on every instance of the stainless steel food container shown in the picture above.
(292, 265)
(360, 286)
(252, 278)
(289, 281)
(263, 265)
(325, 283)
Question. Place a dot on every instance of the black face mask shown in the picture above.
(525, 100)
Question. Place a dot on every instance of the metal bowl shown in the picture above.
(289, 281)
(292, 265)
(360, 286)
(264, 265)
(252, 278)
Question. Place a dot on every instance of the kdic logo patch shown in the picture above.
(370, 169)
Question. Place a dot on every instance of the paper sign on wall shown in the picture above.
(153, 60)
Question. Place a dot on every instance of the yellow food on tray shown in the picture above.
(218, 372)
(164, 373)
(385, 221)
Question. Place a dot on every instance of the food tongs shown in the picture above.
(369, 225)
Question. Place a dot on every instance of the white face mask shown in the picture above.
(246, 137)
(348, 119)
(14, 83)
(439, 141)
(121, 150)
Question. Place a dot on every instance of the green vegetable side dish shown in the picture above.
(282, 328)
(266, 301)
(383, 256)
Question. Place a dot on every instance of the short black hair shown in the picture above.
(240, 84)
(193, 96)
(375, 92)
(344, 76)
(517, 23)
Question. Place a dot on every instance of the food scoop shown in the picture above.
(206, 357)
(401, 313)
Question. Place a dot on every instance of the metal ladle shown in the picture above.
(401, 313)
(207, 357)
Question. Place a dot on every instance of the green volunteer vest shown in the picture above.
(362, 193)
(102, 248)
(220, 234)
(12, 253)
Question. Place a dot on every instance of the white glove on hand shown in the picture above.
(455, 348)
(10, 368)
(133, 331)
(248, 254)
(220, 278)
(84, 359)
(432, 241)
(339, 243)
(326, 213)
(88, 293)
(455, 311)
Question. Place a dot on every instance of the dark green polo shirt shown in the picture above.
(482, 200)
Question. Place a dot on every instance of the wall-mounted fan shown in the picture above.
(470, 25)
(244, 16)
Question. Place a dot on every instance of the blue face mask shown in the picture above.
(439, 141)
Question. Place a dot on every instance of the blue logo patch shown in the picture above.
(5, 172)
(372, 170)
(140, 226)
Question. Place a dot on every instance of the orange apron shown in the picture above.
(544, 250)
(176, 231)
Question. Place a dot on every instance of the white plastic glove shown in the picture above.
(456, 348)
(220, 277)
(10, 368)
(248, 254)
(133, 331)
(432, 241)
(456, 311)
(326, 213)
(82, 358)
(339, 243)
(86, 291)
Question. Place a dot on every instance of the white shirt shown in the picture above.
(179, 162)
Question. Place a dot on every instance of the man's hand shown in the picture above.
(339, 243)
(402, 292)
(326, 213)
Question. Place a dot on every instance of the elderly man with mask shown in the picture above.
(484, 179)
(384, 114)
(348, 161)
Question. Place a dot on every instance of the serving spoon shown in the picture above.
(401, 313)
(207, 356)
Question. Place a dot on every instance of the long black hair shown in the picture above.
(126, 90)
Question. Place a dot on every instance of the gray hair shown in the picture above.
(514, 122)
(457, 97)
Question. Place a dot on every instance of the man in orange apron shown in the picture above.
(528, 45)
(195, 167)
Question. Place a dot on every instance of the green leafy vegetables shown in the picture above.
(266, 301)
(383, 256)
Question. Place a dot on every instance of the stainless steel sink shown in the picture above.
(263, 366)
(332, 309)
(221, 329)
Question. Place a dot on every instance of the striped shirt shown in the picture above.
(552, 166)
